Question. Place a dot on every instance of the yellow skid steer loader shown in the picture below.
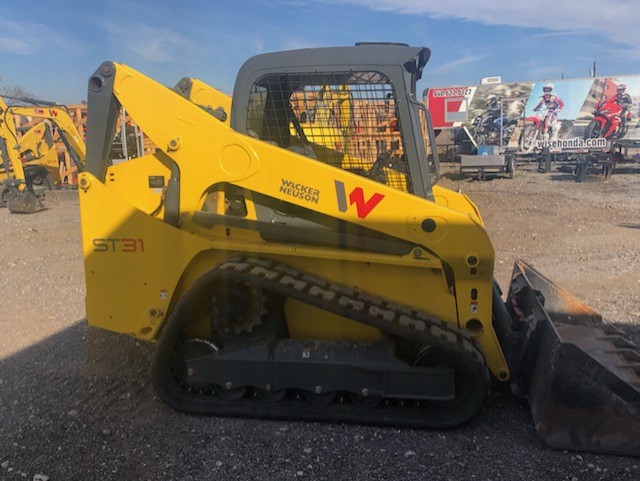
(282, 276)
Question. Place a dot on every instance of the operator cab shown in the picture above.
(351, 107)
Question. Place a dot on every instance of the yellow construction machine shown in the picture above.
(42, 168)
(37, 150)
(67, 131)
(36, 142)
(15, 182)
(282, 277)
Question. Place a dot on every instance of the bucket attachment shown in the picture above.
(580, 376)
(25, 202)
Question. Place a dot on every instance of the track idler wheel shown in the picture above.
(471, 384)
(365, 401)
(271, 397)
(230, 393)
(319, 398)
(188, 350)
(218, 308)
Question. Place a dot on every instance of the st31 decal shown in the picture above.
(118, 245)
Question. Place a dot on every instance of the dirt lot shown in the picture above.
(76, 403)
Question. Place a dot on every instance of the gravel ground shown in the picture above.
(76, 403)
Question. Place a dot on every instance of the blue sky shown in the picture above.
(51, 47)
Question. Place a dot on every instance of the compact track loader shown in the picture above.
(302, 263)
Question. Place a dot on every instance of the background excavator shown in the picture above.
(15, 183)
(41, 155)
(282, 276)
(36, 141)
(37, 149)
(37, 153)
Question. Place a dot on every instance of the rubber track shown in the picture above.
(359, 306)
(350, 303)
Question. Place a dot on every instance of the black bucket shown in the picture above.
(580, 376)
(25, 202)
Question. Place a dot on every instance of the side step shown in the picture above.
(580, 376)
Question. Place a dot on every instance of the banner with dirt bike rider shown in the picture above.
(494, 112)
(580, 114)
(550, 114)
(611, 107)
(550, 104)
(564, 115)
(486, 127)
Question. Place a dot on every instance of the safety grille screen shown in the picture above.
(346, 120)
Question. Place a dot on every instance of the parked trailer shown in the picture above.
(481, 166)
(581, 121)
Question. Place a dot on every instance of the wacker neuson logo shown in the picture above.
(575, 143)
(300, 191)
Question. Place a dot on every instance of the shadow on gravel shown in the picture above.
(458, 177)
(61, 398)
(453, 176)
(629, 226)
(559, 177)
(570, 177)
(594, 174)
(80, 406)
(627, 169)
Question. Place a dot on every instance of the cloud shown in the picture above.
(40, 38)
(610, 18)
(454, 64)
(149, 43)
(20, 47)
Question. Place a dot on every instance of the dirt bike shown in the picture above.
(487, 132)
(607, 121)
(536, 127)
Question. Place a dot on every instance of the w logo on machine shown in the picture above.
(356, 196)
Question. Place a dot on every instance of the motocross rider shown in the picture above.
(552, 104)
(491, 117)
(623, 99)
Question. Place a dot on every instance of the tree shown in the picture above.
(13, 90)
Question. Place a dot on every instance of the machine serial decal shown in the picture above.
(356, 196)
(300, 191)
(118, 245)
